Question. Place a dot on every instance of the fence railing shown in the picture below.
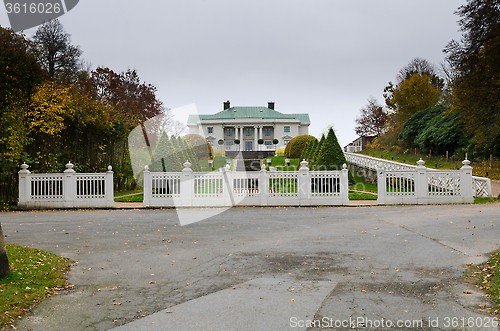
(65, 190)
(425, 186)
(481, 187)
(258, 188)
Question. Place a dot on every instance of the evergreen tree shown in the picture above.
(164, 156)
(331, 156)
(317, 151)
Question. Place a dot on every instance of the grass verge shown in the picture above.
(120, 193)
(487, 278)
(486, 200)
(353, 195)
(131, 198)
(34, 275)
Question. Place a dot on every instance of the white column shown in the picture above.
(421, 185)
(147, 187)
(304, 184)
(256, 146)
(381, 186)
(187, 185)
(69, 186)
(236, 134)
(109, 189)
(466, 182)
(24, 186)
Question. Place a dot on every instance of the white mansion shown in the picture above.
(248, 125)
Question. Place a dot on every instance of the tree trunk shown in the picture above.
(4, 260)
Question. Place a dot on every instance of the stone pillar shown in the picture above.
(69, 186)
(304, 184)
(236, 133)
(147, 187)
(421, 185)
(109, 189)
(381, 186)
(24, 186)
(466, 182)
(344, 185)
(187, 185)
(263, 186)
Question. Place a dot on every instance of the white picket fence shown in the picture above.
(232, 188)
(481, 187)
(425, 186)
(65, 190)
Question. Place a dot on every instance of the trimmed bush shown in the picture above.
(295, 147)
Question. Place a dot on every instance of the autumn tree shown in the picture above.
(372, 120)
(476, 60)
(411, 95)
(19, 76)
(52, 46)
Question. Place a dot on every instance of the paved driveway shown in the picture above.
(263, 268)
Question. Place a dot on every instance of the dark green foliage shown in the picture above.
(316, 152)
(331, 156)
(295, 147)
(434, 129)
(165, 157)
(306, 150)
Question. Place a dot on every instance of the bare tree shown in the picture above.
(54, 51)
(373, 119)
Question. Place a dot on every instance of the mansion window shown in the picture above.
(268, 143)
(286, 129)
(286, 142)
(248, 132)
(210, 129)
(229, 131)
(267, 131)
(229, 143)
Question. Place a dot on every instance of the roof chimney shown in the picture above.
(227, 105)
(270, 105)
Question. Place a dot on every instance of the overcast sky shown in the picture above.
(322, 57)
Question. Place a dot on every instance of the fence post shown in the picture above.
(187, 185)
(263, 186)
(147, 187)
(109, 190)
(227, 186)
(304, 184)
(344, 184)
(381, 186)
(421, 185)
(24, 186)
(466, 182)
(69, 186)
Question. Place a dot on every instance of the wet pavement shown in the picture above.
(263, 268)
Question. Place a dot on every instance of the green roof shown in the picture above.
(248, 112)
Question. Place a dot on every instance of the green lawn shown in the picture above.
(120, 193)
(131, 198)
(353, 195)
(34, 275)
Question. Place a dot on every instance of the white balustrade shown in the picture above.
(425, 186)
(262, 188)
(66, 190)
(481, 187)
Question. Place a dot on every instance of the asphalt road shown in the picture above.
(264, 268)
